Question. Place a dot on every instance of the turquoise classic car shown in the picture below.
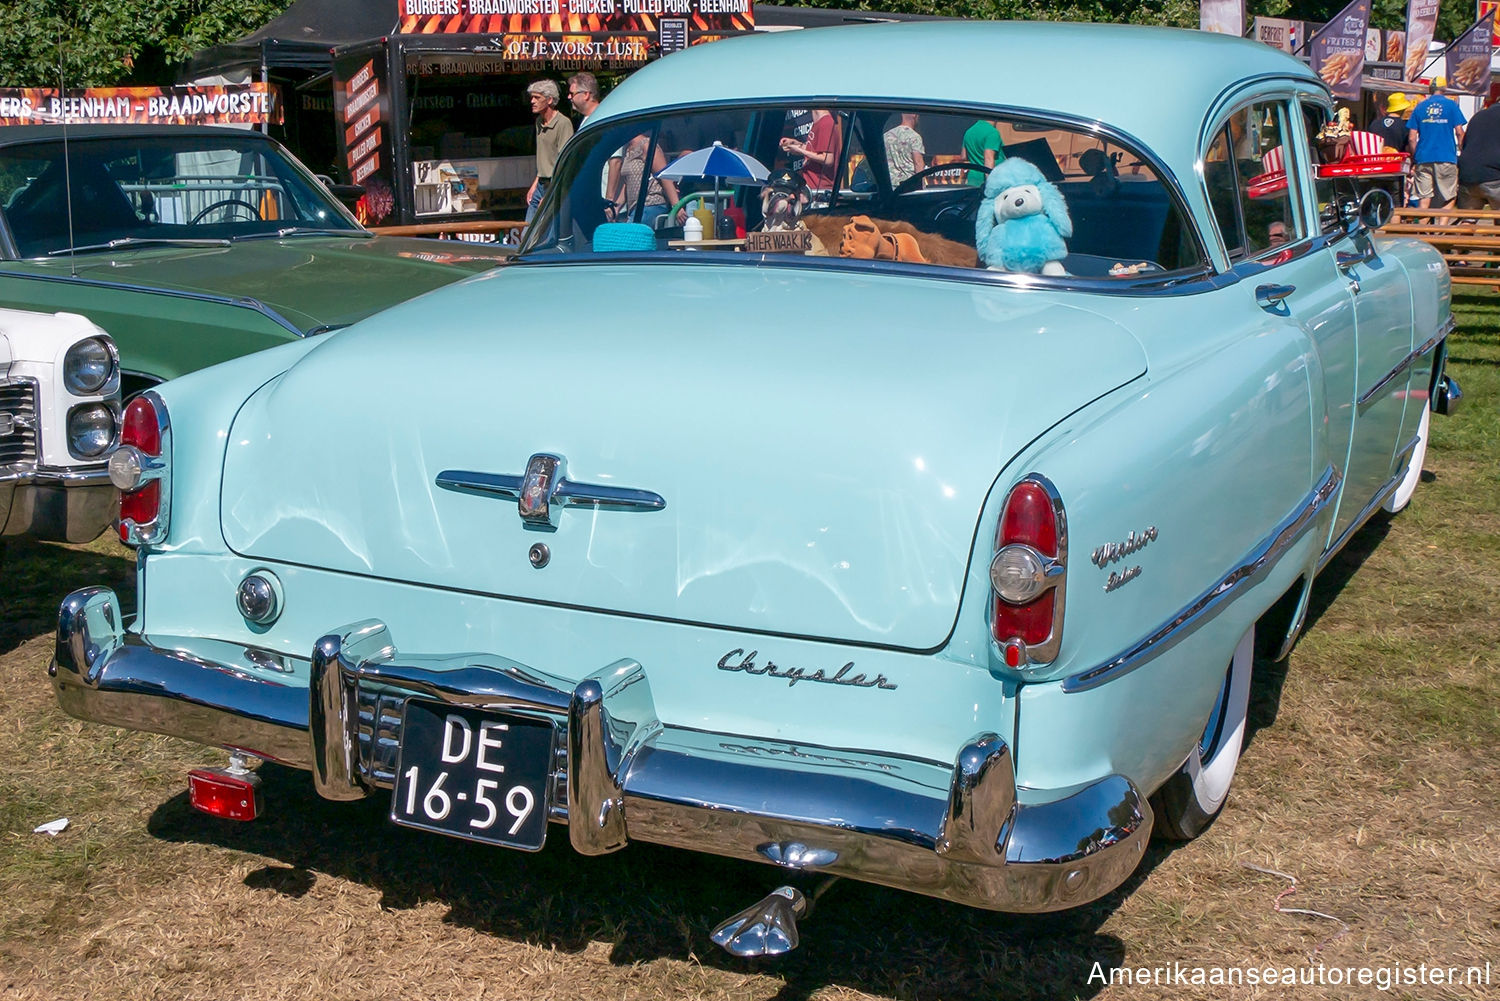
(193, 245)
(783, 524)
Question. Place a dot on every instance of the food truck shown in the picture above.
(422, 102)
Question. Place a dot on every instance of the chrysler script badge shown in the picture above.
(738, 660)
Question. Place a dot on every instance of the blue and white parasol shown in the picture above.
(719, 162)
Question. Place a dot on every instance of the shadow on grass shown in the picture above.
(35, 577)
(1269, 678)
(653, 902)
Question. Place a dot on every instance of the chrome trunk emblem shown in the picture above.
(542, 474)
(545, 487)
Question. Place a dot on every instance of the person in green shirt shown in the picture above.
(982, 147)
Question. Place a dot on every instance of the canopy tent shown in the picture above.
(303, 37)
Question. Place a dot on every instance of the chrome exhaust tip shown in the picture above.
(766, 928)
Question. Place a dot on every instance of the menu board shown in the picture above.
(568, 16)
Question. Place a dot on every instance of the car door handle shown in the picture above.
(1270, 296)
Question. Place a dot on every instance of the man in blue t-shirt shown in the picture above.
(1436, 130)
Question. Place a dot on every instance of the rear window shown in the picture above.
(882, 185)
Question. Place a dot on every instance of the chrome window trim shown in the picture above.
(1225, 107)
(1167, 283)
(1208, 604)
(1407, 362)
(244, 302)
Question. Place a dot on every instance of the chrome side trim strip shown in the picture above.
(1369, 509)
(1210, 602)
(244, 302)
(1406, 362)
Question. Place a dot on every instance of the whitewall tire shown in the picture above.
(1193, 797)
(1408, 485)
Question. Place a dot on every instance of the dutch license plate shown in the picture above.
(473, 774)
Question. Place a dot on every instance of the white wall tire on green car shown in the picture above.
(1408, 485)
(1189, 801)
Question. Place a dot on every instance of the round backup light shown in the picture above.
(91, 430)
(126, 467)
(259, 597)
(1018, 574)
(87, 367)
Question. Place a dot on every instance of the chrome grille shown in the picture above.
(380, 740)
(18, 422)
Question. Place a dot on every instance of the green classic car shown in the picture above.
(195, 245)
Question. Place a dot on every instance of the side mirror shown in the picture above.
(1376, 208)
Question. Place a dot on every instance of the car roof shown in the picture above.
(1152, 83)
(12, 135)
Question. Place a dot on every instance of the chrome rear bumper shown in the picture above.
(956, 830)
(56, 504)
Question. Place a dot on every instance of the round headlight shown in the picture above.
(1018, 574)
(87, 367)
(91, 430)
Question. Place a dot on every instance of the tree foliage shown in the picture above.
(95, 43)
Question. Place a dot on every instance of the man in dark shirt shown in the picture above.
(1479, 163)
(1392, 127)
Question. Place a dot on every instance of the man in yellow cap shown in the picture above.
(1391, 128)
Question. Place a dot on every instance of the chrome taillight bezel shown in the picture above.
(1011, 651)
(154, 468)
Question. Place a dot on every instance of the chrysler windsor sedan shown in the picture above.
(839, 505)
(59, 417)
(193, 245)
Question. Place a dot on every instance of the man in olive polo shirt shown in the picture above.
(553, 130)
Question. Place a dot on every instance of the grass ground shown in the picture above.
(1370, 777)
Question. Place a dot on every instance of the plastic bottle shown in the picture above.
(706, 220)
(692, 230)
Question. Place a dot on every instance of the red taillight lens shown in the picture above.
(1029, 519)
(222, 793)
(140, 506)
(1031, 554)
(141, 428)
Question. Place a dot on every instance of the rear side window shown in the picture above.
(1250, 182)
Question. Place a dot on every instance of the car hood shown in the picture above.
(824, 442)
(313, 282)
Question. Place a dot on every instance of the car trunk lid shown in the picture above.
(824, 442)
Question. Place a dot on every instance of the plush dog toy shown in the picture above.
(1022, 221)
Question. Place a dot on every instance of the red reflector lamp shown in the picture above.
(225, 793)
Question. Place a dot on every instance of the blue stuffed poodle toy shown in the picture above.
(1022, 221)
